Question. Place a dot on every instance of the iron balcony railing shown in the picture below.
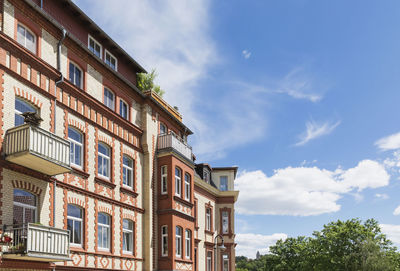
(172, 141)
(35, 241)
(38, 149)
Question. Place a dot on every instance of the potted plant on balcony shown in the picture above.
(5, 239)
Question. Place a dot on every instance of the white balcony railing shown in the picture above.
(172, 141)
(36, 242)
(37, 149)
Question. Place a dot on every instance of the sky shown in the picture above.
(301, 95)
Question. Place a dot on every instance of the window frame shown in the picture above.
(74, 142)
(76, 219)
(209, 261)
(128, 232)
(227, 212)
(27, 29)
(106, 52)
(70, 62)
(225, 260)
(164, 241)
(208, 219)
(178, 182)
(188, 182)
(107, 227)
(178, 241)
(104, 157)
(16, 112)
(104, 98)
(121, 101)
(164, 179)
(224, 177)
(188, 244)
(165, 127)
(127, 168)
(95, 42)
(27, 206)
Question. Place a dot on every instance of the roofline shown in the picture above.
(235, 168)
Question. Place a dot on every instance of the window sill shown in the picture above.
(76, 248)
(208, 232)
(104, 182)
(188, 203)
(183, 260)
(129, 191)
(79, 171)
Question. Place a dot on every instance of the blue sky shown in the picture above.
(301, 95)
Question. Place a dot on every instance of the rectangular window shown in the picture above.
(187, 187)
(178, 182)
(127, 236)
(164, 241)
(94, 46)
(103, 167)
(74, 224)
(123, 109)
(164, 176)
(178, 242)
(110, 60)
(209, 261)
(109, 99)
(188, 244)
(103, 231)
(208, 219)
(75, 75)
(225, 222)
(225, 262)
(127, 171)
(26, 38)
(76, 147)
(223, 183)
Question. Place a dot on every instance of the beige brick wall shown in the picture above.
(94, 83)
(9, 22)
(49, 48)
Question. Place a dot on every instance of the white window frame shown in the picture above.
(223, 217)
(164, 180)
(23, 43)
(128, 232)
(113, 100)
(209, 261)
(76, 219)
(187, 186)
(106, 52)
(225, 262)
(104, 157)
(127, 109)
(95, 42)
(165, 129)
(178, 242)
(73, 143)
(17, 112)
(220, 182)
(208, 219)
(27, 206)
(178, 182)
(164, 241)
(127, 168)
(106, 227)
(188, 244)
(69, 73)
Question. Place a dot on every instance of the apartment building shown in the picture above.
(95, 174)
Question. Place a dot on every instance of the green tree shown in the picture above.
(145, 81)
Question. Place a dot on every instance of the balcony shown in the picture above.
(171, 141)
(35, 243)
(38, 149)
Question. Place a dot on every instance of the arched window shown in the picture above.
(127, 171)
(22, 106)
(25, 205)
(74, 224)
(163, 129)
(127, 233)
(187, 187)
(75, 75)
(76, 149)
(103, 231)
(178, 181)
(178, 241)
(104, 156)
(26, 38)
(188, 244)
(164, 241)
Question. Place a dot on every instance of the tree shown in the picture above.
(145, 81)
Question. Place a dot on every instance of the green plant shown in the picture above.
(145, 81)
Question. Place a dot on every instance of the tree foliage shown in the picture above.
(145, 81)
(342, 245)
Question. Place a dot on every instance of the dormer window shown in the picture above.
(94, 46)
(26, 38)
(110, 60)
(206, 176)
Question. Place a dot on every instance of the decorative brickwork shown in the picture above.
(27, 186)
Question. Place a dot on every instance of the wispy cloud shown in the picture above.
(392, 232)
(249, 243)
(305, 191)
(391, 142)
(246, 54)
(382, 196)
(315, 130)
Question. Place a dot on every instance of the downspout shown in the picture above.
(59, 45)
(41, 4)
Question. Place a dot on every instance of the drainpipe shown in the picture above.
(41, 4)
(64, 34)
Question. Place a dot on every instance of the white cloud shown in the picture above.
(315, 130)
(246, 54)
(391, 142)
(397, 211)
(249, 243)
(392, 232)
(304, 191)
(382, 196)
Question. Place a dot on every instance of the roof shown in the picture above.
(235, 168)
